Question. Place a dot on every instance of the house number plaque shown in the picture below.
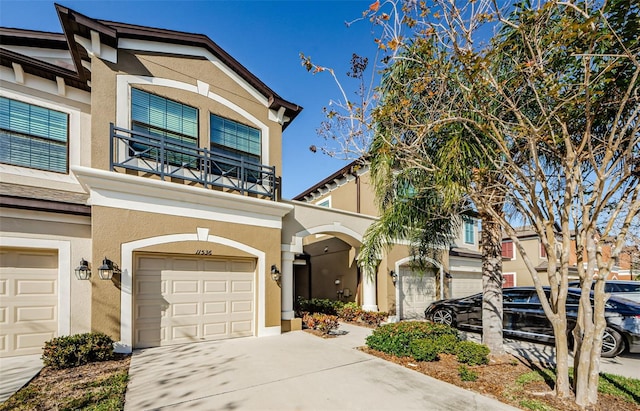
(204, 252)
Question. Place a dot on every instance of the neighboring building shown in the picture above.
(406, 291)
(515, 272)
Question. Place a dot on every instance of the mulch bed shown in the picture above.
(497, 380)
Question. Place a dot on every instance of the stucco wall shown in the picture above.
(112, 227)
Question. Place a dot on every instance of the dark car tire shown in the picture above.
(612, 343)
(444, 316)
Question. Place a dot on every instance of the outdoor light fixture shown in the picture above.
(394, 276)
(83, 272)
(275, 273)
(106, 270)
(337, 282)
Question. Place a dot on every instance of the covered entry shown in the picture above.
(28, 300)
(183, 298)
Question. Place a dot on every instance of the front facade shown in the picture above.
(154, 152)
(402, 288)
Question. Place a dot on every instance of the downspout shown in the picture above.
(441, 282)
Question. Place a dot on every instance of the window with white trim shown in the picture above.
(325, 202)
(507, 250)
(469, 230)
(33, 136)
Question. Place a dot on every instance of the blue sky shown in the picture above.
(265, 36)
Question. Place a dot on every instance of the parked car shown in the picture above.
(523, 317)
(626, 289)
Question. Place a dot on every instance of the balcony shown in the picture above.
(172, 160)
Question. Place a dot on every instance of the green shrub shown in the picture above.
(317, 305)
(321, 322)
(446, 343)
(472, 353)
(79, 349)
(395, 338)
(423, 349)
(350, 312)
(467, 374)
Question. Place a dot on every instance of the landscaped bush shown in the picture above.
(472, 353)
(423, 349)
(350, 312)
(446, 343)
(321, 322)
(396, 338)
(79, 349)
(467, 374)
(318, 305)
(372, 318)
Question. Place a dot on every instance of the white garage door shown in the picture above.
(416, 293)
(464, 284)
(183, 299)
(28, 300)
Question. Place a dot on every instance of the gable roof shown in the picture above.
(76, 25)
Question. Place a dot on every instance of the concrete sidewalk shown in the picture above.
(15, 372)
(293, 371)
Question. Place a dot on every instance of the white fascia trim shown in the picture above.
(126, 294)
(125, 191)
(64, 273)
(157, 47)
(123, 105)
(45, 86)
(46, 216)
(96, 49)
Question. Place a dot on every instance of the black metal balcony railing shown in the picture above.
(170, 158)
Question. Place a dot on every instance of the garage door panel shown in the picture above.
(28, 300)
(465, 284)
(152, 263)
(185, 287)
(28, 314)
(211, 287)
(417, 291)
(212, 308)
(242, 266)
(201, 304)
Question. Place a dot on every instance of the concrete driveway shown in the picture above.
(16, 372)
(293, 371)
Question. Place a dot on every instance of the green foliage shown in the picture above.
(423, 349)
(372, 318)
(350, 312)
(317, 305)
(321, 322)
(74, 350)
(396, 338)
(446, 343)
(102, 395)
(472, 353)
(534, 405)
(619, 386)
(467, 374)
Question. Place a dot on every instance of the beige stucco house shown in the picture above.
(402, 289)
(140, 195)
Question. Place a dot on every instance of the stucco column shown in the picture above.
(286, 284)
(369, 302)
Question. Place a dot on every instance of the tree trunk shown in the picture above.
(491, 244)
(563, 387)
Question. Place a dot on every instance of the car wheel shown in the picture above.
(443, 316)
(612, 343)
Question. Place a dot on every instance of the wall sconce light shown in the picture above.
(83, 272)
(448, 276)
(107, 269)
(337, 282)
(394, 276)
(275, 273)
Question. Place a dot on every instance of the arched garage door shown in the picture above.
(417, 291)
(181, 299)
(28, 300)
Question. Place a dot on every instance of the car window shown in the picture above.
(519, 296)
(628, 287)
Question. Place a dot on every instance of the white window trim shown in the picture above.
(515, 278)
(123, 106)
(73, 140)
(325, 199)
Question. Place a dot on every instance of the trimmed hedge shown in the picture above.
(423, 349)
(396, 338)
(318, 305)
(472, 353)
(79, 349)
